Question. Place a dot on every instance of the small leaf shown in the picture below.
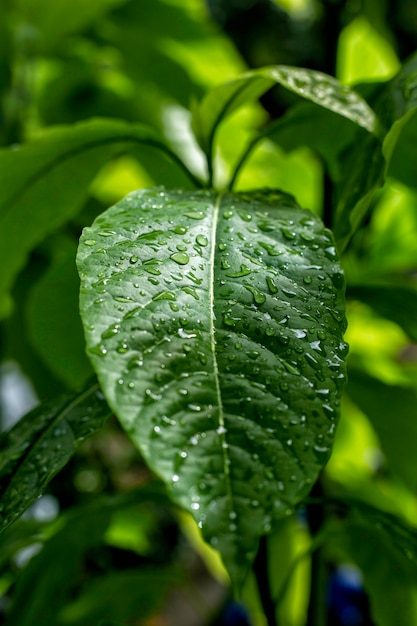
(215, 325)
(396, 303)
(309, 84)
(392, 411)
(41, 443)
(38, 193)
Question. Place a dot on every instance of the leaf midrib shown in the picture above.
(212, 332)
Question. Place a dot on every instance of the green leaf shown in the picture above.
(53, 320)
(384, 547)
(41, 443)
(310, 125)
(215, 325)
(400, 149)
(392, 411)
(396, 303)
(38, 191)
(47, 585)
(364, 167)
(309, 84)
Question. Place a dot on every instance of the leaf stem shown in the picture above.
(317, 610)
(260, 569)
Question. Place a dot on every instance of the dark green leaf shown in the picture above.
(122, 595)
(384, 547)
(215, 325)
(392, 411)
(320, 129)
(398, 304)
(55, 572)
(41, 443)
(53, 320)
(400, 149)
(45, 182)
(364, 176)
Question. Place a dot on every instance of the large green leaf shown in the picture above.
(45, 182)
(309, 84)
(41, 443)
(392, 411)
(215, 325)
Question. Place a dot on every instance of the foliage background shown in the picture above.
(66, 62)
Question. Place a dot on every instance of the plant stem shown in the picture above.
(260, 568)
(317, 610)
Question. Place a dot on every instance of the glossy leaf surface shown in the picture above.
(38, 191)
(215, 324)
(309, 84)
(41, 443)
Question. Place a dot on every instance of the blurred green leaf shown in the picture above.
(396, 303)
(41, 443)
(57, 571)
(392, 411)
(399, 149)
(384, 547)
(54, 21)
(45, 182)
(176, 358)
(53, 320)
(125, 595)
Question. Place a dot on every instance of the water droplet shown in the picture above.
(222, 246)
(228, 215)
(191, 292)
(244, 271)
(271, 285)
(123, 299)
(90, 242)
(202, 240)
(180, 257)
(288, 234)
(180, 230)
(122, 348)
(221, 430)
(258, 296)
(195, 215)
(175, 478)
(194, 407)
(165, 295)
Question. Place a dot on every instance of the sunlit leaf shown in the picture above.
(215, 325)
(310, 85)
(41, 443)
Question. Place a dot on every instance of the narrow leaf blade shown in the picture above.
(41, 444)
(215, 325)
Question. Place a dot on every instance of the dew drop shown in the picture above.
(202, 240)
(90, 242)
(180, 257)
(271, 285)
(258, 296)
